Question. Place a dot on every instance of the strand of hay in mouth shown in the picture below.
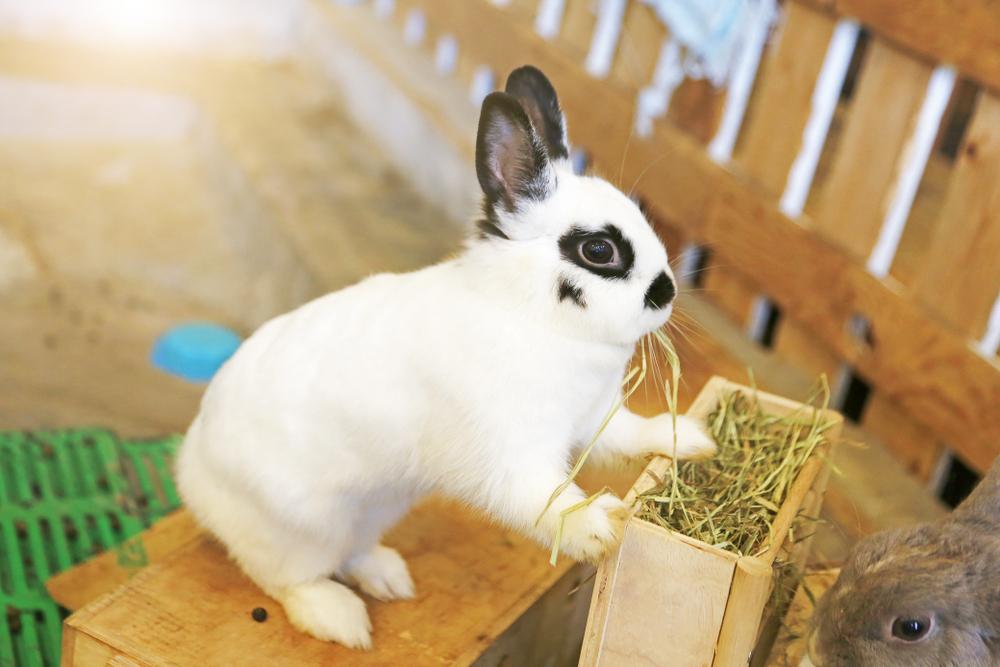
(731, 501)
(630, 383)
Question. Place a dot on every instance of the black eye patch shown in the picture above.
(578, 246)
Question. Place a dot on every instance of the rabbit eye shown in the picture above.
(598, 251)
(911, 629)
(604, 252)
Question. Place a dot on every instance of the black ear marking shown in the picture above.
(535, 93)
(510, 160)
(567, 290)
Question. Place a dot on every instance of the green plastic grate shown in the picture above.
(65, 496)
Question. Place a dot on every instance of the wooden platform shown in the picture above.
(485, 596)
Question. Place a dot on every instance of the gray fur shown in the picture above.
(948, 570)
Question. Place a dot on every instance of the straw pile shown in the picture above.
(731, 501)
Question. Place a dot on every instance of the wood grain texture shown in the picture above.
(960, 278)
(666, 595)
(193, 607)
(909, 349)
(88, 581)
(916, 450)
(965, 33)
(750, 590)
(642, 35)
(790, 647)
(772, 134)
(859, 189)
(730, 290)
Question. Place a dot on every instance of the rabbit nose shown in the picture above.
(661, 291)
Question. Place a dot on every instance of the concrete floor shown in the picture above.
(142, 188)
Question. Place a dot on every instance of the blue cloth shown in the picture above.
(195, 350)
(712, 31)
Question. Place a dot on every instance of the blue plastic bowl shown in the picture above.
(194, 351)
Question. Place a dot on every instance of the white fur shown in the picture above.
(469, 378)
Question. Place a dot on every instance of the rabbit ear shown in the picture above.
(535, 93)
(510, 161)
(984, 501)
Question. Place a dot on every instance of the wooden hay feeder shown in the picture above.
(666, 599)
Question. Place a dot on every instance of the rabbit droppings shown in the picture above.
(927, 596)
(476, 378)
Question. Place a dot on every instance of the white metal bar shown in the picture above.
(654, 100)
(548, 21)
(415, 28)
(384, 8)
(915, 155)
(446, 54)
(989, 345)
(741, 82)
(483, 82)
(606, 34)
(824, 103)
(760, 313)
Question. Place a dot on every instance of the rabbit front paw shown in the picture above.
(693, 440)
(590, 532)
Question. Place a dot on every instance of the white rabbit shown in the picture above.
(477, 378)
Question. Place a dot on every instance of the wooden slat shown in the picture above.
(965, 33)
(730, 290)
(929, 371)
(696, 107)
(960, 278)
(579, 19)
(638, 50)
(773, 139)
(860, 186)
(906, 439)
(773, 133)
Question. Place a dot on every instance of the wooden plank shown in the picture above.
(751, 590)
(965, 33)
(88, 581)
(908, 441)
(193, 607)
(772, 135)
(960, 277)
(790, 648)
(857, 193)
(663, 588)
(730, 290)
(579, 19)
(638, 50)
(696, 107)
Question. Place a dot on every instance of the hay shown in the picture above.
(731, 501)
(630, 383)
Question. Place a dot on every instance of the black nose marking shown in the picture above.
(661, 291)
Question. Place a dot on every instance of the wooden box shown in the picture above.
(665, 599)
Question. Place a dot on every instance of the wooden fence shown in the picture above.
(843, 194)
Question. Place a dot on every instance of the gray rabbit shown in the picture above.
(927, 596)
